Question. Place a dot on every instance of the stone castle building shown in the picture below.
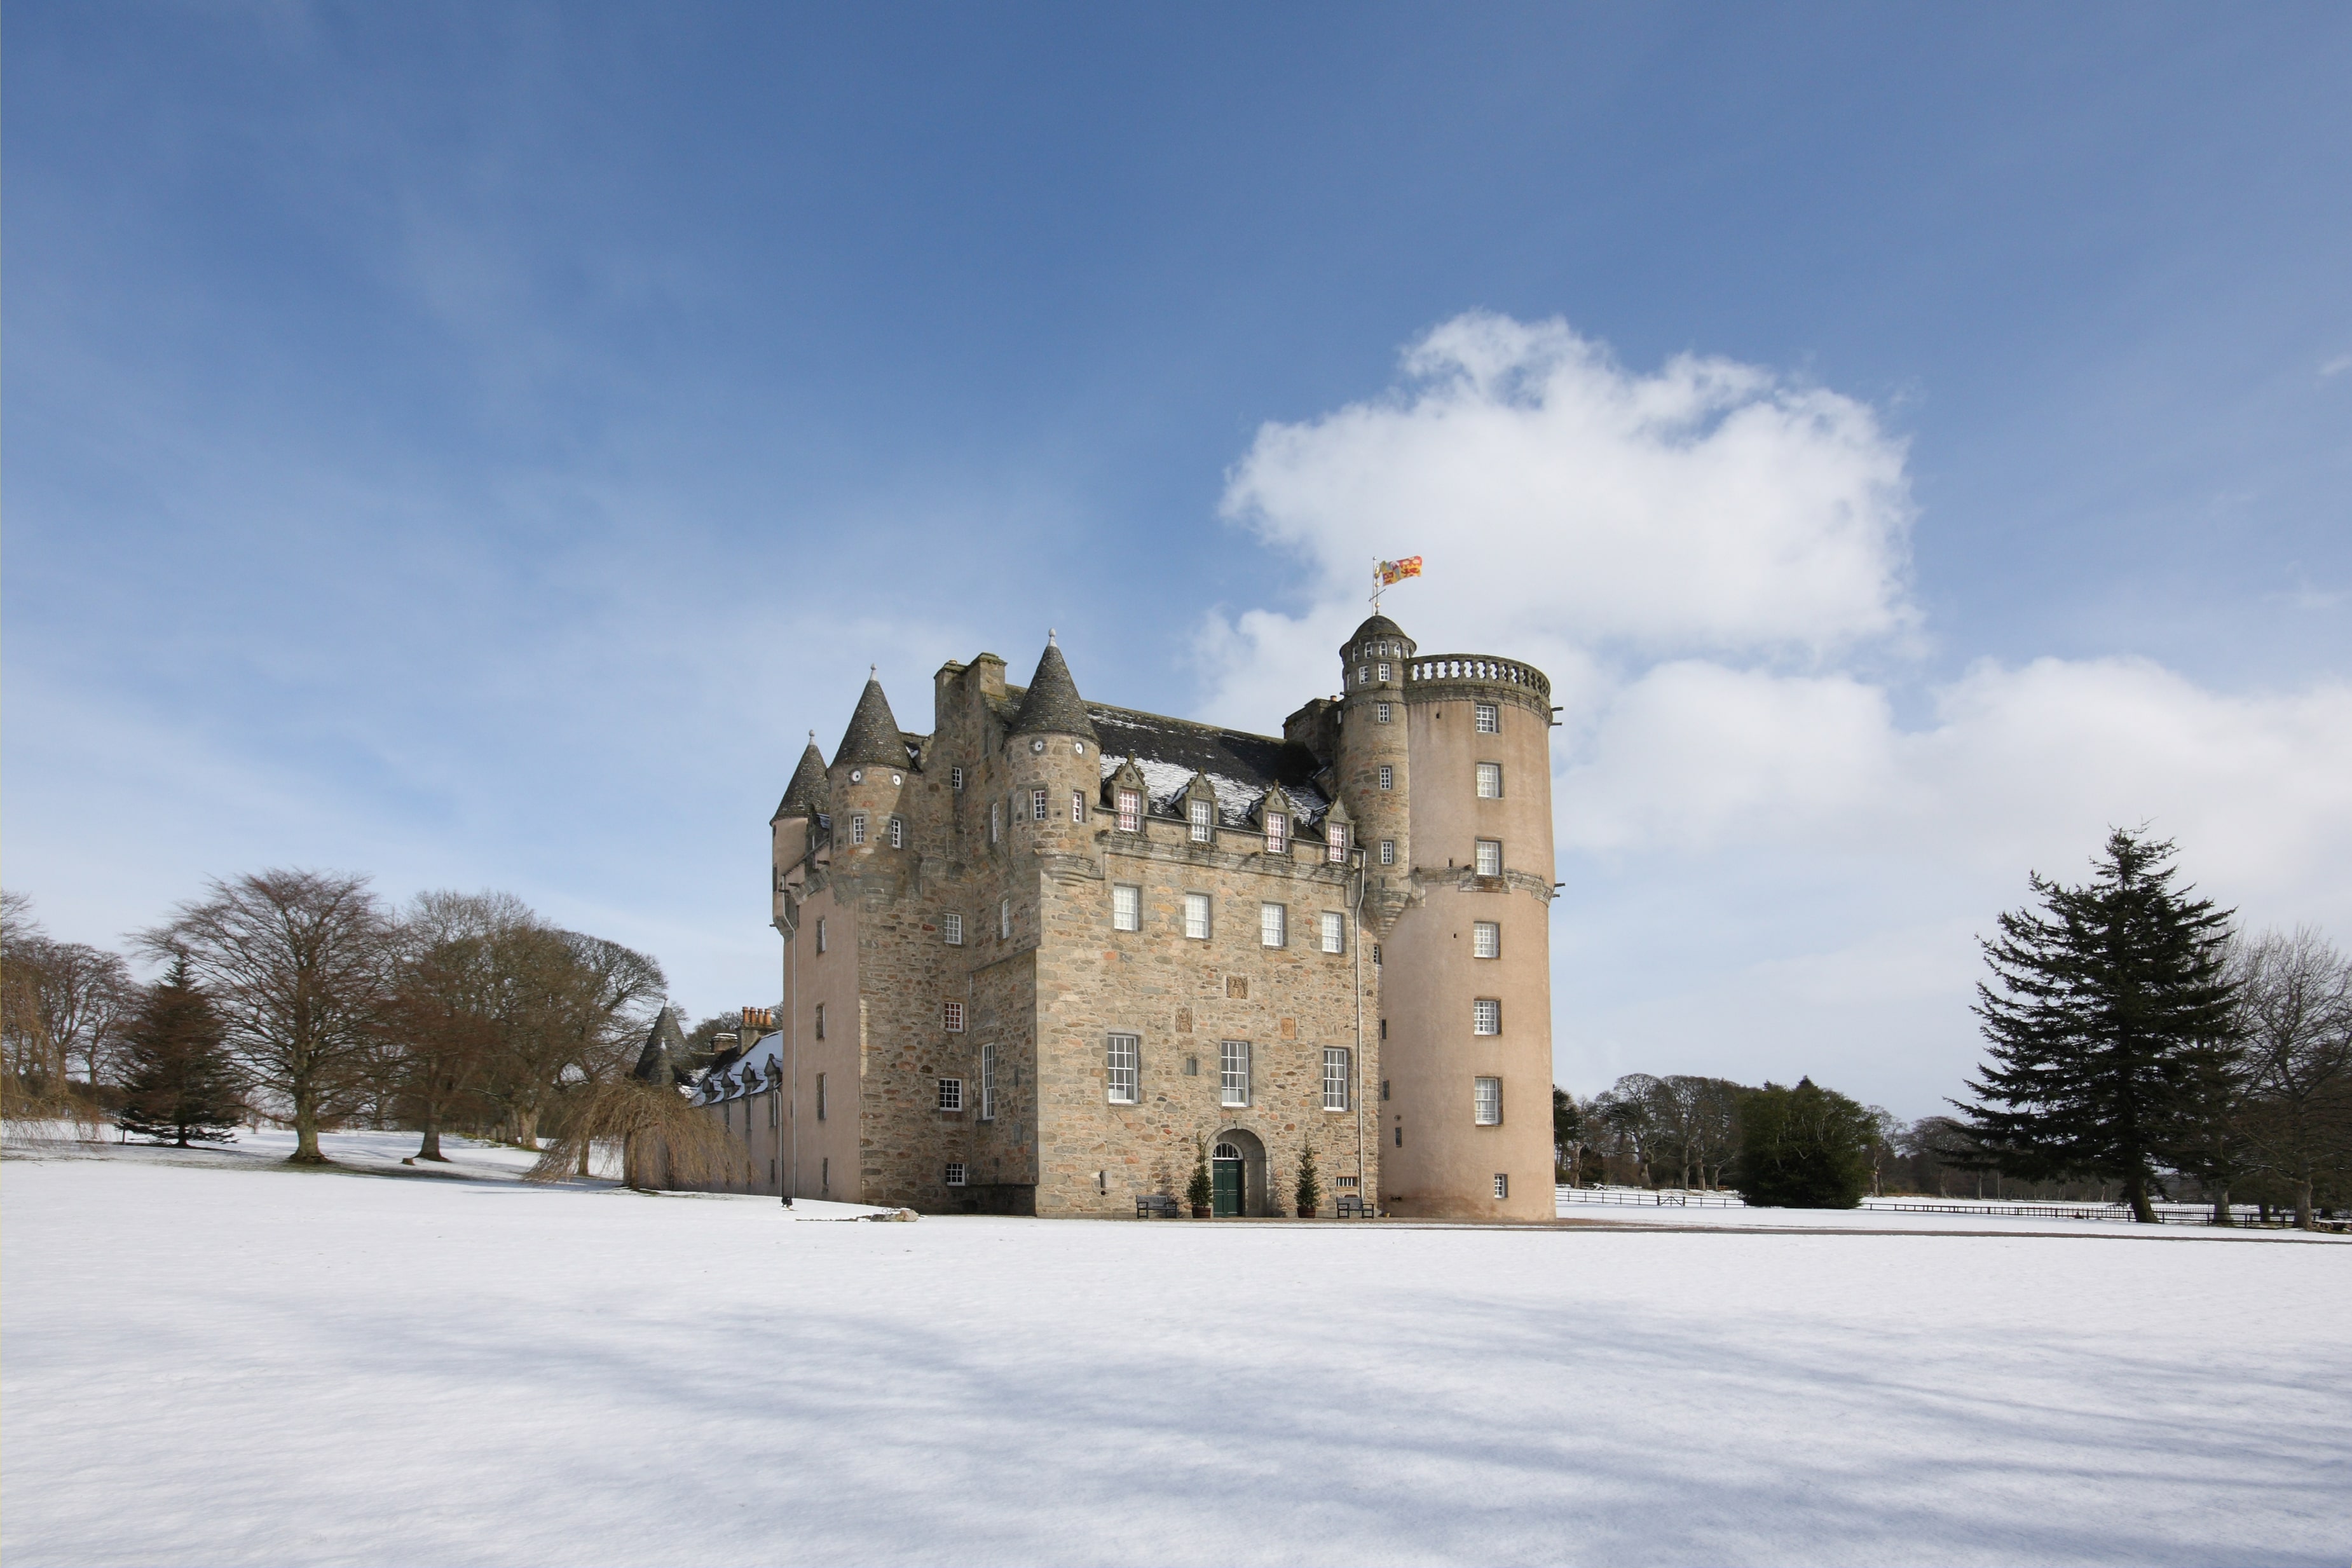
(1038, 958)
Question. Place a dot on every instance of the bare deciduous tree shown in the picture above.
(2294, 1004)
(298, 963)
(663, 1140)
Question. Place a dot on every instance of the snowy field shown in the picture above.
(208, 1360)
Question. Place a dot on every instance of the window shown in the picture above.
(988, 1083)
(897, 832)
(1486, 939)
(773, 1100)
(1004, 920)
(951, 1016)
(1381, 712)
(952, 928)
(1125, 907)
(1376, 964)
(1501, 1185)
(995, 825)
(1363, 675)
(857, 827)
(1196, 916)
(1232, 1073)
(820, 1096)
(955, 779)
(1201, 815)
(820, 1021)
(1278, 832)
(1486, 1102)
(1489, 721)
(1122, 1074)
(1077, 806)
(1486, 1016)
(1130, 811)
(1490, 780)
(950, 1094)
(1191, 1067)
(1036, 805)
(1490, 857)
(824, 1175)
(1388, 777)
(820, 933)
(1335, 842)
(955, 1172)
(1334, 1078)
(1383, 670)
(1273, 926)
(1399, 1137)
(1335, 932)
(1387, 852)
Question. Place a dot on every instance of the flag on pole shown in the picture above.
(1396, 571)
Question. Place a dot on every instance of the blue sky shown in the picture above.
(472, 444)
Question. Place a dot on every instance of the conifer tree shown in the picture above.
(1807, 1147)
(1197, 1193)
(2112, 1009)
(178, 1087)
(1310, 1192)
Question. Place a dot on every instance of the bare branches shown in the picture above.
(665, 1142)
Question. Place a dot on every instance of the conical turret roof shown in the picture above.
(808, 795)
(664, 1043)
(873, 733)
(1377, 626)
(1052, 705)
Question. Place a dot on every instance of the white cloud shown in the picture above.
(1768, 872)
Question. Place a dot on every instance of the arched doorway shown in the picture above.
(1236, 1175)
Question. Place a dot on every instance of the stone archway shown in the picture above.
(1243, 1170)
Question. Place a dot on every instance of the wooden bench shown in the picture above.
(1352, 1207)
(1157, 1206)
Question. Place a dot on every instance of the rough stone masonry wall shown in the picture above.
(1184, 996)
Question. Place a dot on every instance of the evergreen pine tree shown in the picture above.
(1807, 1147)
(2112, 1013)
(1310, 1192)
(1197, 1195)
(178, 1087)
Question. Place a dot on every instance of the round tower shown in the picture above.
(1373, 768)
(1051, 746)
(869, 772)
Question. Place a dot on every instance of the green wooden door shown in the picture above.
(1226, 1179)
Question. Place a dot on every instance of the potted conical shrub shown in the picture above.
(1197, 1191)
(1309, 1191)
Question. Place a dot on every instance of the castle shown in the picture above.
(1046, 957)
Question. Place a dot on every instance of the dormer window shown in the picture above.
(1201, 817)
(1278, 832)
(1335, 842)
(1130, 811)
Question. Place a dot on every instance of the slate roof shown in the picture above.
(809, 794)
(1377, 626)
(1240, 767)
(1051, 705)
(873, 735)
(664, 1043)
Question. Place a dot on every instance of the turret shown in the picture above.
(1051, 747)
(806, 798)
(869, 769)
(1372, 772)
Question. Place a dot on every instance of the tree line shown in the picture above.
(304, 996)
(2140, 1045)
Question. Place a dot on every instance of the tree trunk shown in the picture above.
(527, 1126)
(305, 1130)
(430, 1148)
(2136, 1193)
(2303, 1218)
(2221, 1207)
(585, 1144)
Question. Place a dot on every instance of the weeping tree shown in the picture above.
(665, 1141)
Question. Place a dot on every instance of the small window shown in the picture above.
(1335, 842)
(1122, 1073)
(955, 779)
(1201, 816)
(1334, 1078)
(1490, 857)
(1486, 1016)
(1130, 811)
(1335, 932)
(1363, 675)
(1376, 964)
(1486, 939)
(1489, 721)
(1273, 926)
(897, 832)
(824, 1174)
(1232, 1073)
(820, 1094)
(1387, 852)
(1383, 712)
(857, 827)
(1036, 805)
(1278, 832)
(1077, 806)
(1196, 916)
(1388, 777)
(995, 821)
(1125, 907)
(820, 1021)
(1383, 673)
(988, 1083)
(955, 1172)
(951, 1016)
(1486, 1102)
(1490, 780)
(950, 1094)
(820, 933)
(1004, 920)
(951, 929)
(1501, 1185)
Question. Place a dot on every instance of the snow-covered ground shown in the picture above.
(208, 1360)
(1717, 1211)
